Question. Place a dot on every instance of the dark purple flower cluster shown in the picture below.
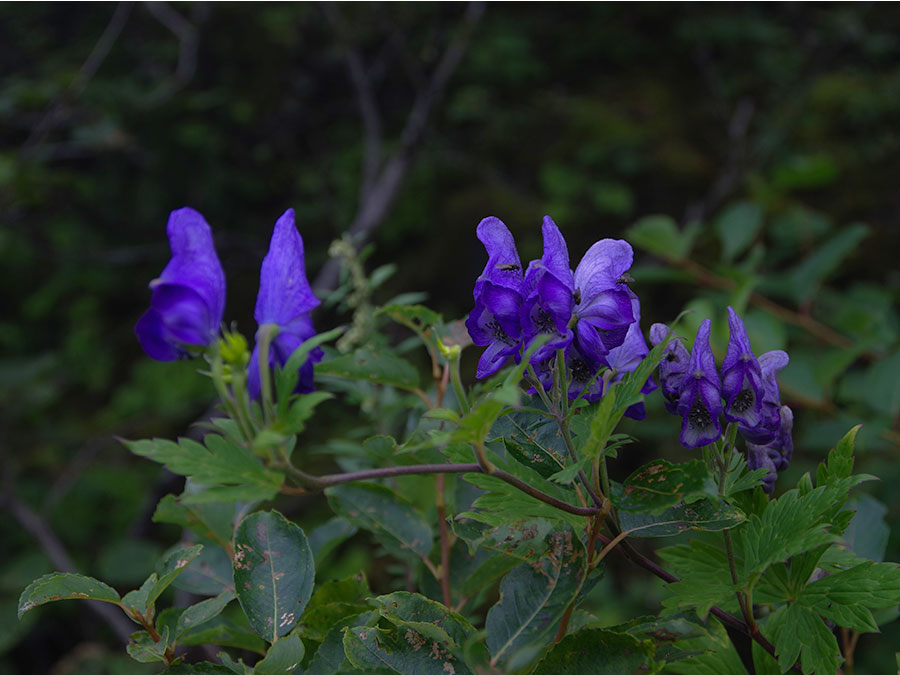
(188, 299)
(747, 394)
(591, 314)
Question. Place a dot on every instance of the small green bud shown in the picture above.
(449, 352)
(233, 348)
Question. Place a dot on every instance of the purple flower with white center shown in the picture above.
(285, 299)
(188, 296)
(775, 455)
(495, 322)
(769, 423)
(742, 386)
(700, 400)
(548, 290)
(602, 297)
(675, 364)
(628, 356)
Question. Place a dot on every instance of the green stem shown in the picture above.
(264, 337)
(456, 381)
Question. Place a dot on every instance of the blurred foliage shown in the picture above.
(768, 133)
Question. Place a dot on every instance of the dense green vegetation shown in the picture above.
(767, 135)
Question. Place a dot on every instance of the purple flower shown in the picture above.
(495, 322)
(602, 298)
(700, 400)
(775, 455)
(742, 385)
(769, 423)
(674, 365)
(285, 299)
(627, 356)
(548, 290)
(189, 296)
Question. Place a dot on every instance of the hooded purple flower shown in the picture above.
(674, 365)
(189, 296)
(742, 386)
(700, 401)
(285, 299)
(548, 289)
(769, 423)
(602, 298)
(495, 322)
(775, 455)
(628, 356)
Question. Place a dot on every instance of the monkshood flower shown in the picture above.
(742, 385)
(188, 296)
(775, 455)
(603, 301)
(285, 300)
(769, 423)
(700, 400)
(674, 365)
(549, 289)
(495, 322)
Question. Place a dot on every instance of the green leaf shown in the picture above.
(400, 650)
(67, 586)
(534, 596)
(210, 573)
(221, 462)
(330, 657)
(874, 585)
(839, 463)
(142, 648)
(705, 576)
(867, 534)
(737, 227)
(706, 514)
(545, 461)
(171, 567)
(524, 539)
(328, 536)
(370, 365)
(273, 573)
(428, 618)
(214, 521)
(204, 668)
(686, 645)
(293, 420)
(136, 602)
(286, 377)
(805, 279)
(283, 657)
(660, 484)
(417, 315)
(799, 632)
(392, 519)
(221, 631)
(201, 612)
(332, 602)
(598, 652)
(660, 235)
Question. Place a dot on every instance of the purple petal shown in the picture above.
(602, 267)
(280, 350)
(151, 333)
(739, 349)
(493, 359)
(284, 292)
(556, 253)
(194, 262)
(504, 267)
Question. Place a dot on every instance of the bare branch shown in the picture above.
(88, 69)
(374, 207)
(186, 33)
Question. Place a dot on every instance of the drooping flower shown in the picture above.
(742, 386)
(776, 454)
(700, 400)
(285, 299)
(548, 290)
(188, 296)
(674, 365)
(602, 299)
(495, 322)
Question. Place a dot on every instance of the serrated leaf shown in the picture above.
(283, 657)
(391, 518)
(221, 461)
(273, 573)
(534, 596)
(369, 365)
(799, 632)
(875, 585)
(839, 463)
(598, 652)
(705, 514)
(660, 484)
(64, 586)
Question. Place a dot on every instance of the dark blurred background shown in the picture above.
(767, 134)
